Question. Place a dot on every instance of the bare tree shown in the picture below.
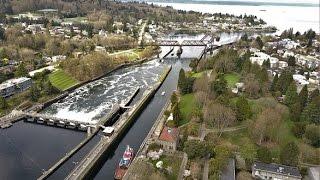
(252, 86)
(218, 116)
(266, 127)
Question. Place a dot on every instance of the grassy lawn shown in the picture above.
(76, 19)
(172, 161)
(197, 75)
(187, 105)
(61, 80)
(232, 79)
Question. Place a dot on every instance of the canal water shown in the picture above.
(26, 149)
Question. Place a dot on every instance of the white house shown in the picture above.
(260, 57)
(288, 54)
(283, 64)
(300, 79)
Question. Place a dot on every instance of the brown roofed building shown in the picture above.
(168, 139)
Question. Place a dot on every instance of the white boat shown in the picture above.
(82, 127)
(163, 93)
(50, 122)
(71, 125)
(30, 119)
(40, 120)
(61, 124)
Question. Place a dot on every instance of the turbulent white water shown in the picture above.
(94, 100)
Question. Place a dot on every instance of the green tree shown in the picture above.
(2, 33)
(48, 88)
(273, 87)
(259, 42)
(3, 103)
(174, 98)
(303, 96)
(315, 93)
(285, 79)
(263, 75)
(295, 111)
(34, 93)
(243, 109)
(264, 155)
(219, 86)
(291, 61)
(222, 154)
(176, 114)
(266, 64)
(311, 113)
(312, 135)
(291, 95)
(248, 152)
(299, 129)
(289, 154)
(194, 149)
(182, 81)
(21, 71)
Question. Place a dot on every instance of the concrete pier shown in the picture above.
(92, 131)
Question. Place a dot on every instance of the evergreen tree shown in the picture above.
(303, 96)
(289, 154)
(266, 64)
(219, 86)
(295, 111)
(48, 88)
(259, 42)
(34, 93)
(263, 75)
(21, 71)
(243, 109)
(3, 103)
(315, 93)
(291, 95)
(246, 67)
(273, 87)
(2, 33)
(174, 98)
(285, 79)
(291, 61)
(312, 135)
(311, 113)
(264, 155)
(176, 114)
(182, 79)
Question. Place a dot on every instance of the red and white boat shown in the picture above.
(124, 163)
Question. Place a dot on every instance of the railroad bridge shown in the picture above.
(204, 41)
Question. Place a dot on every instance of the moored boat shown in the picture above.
(124, 163)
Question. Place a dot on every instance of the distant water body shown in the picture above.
(299, 16)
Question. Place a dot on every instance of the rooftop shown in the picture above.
(12, 82)
(169, 134)
(278, 168)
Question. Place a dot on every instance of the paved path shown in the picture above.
(228, 129)
(205, 169)
(183, 166)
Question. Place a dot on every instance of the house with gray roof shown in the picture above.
(273, 171)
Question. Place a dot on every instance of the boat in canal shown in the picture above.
(124, 163)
